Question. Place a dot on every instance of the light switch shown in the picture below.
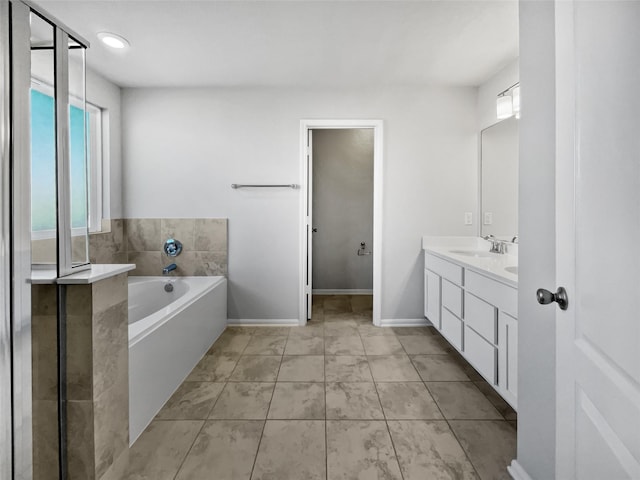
(488, 218)
(468, 218)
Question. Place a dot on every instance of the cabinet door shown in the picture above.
(432, 298)
(508, 358)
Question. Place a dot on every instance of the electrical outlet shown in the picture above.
(488, 218)
(468, 218)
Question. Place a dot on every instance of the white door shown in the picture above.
(310, 229)
(598, 239)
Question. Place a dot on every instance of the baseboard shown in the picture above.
(262, 322)
(517, 472)
(353, 291)
(405, 322)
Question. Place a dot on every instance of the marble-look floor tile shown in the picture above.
(230, 343)
(297, 401)
(243, 401)
(292, 450)
(369, 330)
(491, 446)
(353, 401)
(429, 450)
(497, 401)
(393, 368)
(161, 449)
(439, 368)
(360, 449)
(241, 329)
(407, 401)
(411, 331)
(192, 401)
(266, 345)
(311, 329)
(424, 344)
(347, 369)
(337, 304)
(304, 346)
(223, 450)
(343, 346)
(256, 368)
(302, 368)
(462, 401)
(338, 329)
(382, 345)
(214, 368)
(360, 303)
(279, 331)
(343, 318)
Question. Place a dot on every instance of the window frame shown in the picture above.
(94, 166)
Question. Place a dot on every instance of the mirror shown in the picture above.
(499, 180)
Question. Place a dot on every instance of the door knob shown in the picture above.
(314, 230)
(560, 297)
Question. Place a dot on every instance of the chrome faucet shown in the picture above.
(169, 268)
(497, 246)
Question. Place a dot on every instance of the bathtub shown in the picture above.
(168, 334)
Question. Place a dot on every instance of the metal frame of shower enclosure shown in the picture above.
(16, 442)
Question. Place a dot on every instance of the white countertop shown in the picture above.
(96, 273)
(492, 266)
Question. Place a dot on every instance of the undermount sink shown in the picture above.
(473, 253)
(512, 269)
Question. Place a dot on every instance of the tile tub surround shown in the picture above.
(282, 407)
(97, 377)
(140, 241)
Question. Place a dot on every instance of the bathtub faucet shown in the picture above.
(169, 268)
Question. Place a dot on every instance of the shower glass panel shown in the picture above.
(78, 169)
(43, 143)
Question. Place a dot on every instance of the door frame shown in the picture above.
(334, 124)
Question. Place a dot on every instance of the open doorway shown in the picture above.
(341, 241)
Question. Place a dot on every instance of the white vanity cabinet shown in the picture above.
(478, 316)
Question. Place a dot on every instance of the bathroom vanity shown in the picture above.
(471, 298)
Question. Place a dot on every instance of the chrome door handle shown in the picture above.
(545, 297)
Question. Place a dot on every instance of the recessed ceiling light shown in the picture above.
(112, 40)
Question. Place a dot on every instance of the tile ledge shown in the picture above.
(96, 273)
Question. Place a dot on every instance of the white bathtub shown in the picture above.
(168, 334)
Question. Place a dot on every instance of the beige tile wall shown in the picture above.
(97, 378)
(140, 241)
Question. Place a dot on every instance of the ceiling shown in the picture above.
(296, 42)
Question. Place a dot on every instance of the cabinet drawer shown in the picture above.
(452, 298)
(480, 316)
(448, 270)
(451, 328)
(481, 354)
(502, 296)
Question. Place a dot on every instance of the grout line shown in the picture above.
(275, 384)
(195, 439)
(466, 454)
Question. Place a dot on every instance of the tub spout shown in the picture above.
(169, 268)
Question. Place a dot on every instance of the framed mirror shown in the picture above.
(499, 180)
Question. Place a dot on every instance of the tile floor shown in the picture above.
(337, 399)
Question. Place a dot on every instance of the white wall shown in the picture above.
(537, 252)
(342, 208)
(184, 147)
(107, 96)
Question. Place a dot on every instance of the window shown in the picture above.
(43, 164)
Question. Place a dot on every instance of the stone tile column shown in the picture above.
(97, 378)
